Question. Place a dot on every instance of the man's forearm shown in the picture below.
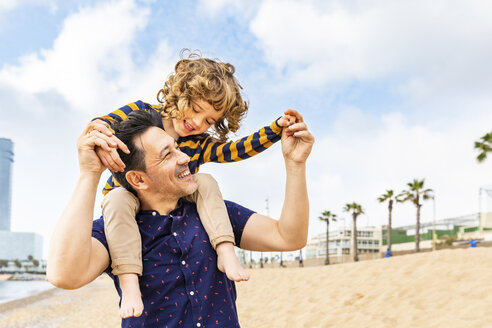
(294, 220)
(71, 242)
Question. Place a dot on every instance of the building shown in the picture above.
(465, 227)
(19, 245)
(6, 160)
(368, 241)
(13, 245)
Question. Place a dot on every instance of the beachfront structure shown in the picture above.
(21, 266)
(368, 241)
(472, 226)
(19, 245)
(6, 160)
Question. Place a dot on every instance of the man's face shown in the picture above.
(197, 119)
(167, 166)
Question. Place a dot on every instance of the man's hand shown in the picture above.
(108, 155)
(297, 141)
(87, 143)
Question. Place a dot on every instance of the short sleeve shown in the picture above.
(238, 215)
(98, 233)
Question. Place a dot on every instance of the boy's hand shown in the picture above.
(110, 159)
(108, 155)
(100, 126)
(290, 117)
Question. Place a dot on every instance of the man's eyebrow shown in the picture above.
(164, 151)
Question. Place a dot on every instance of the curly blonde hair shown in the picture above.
(207, 79)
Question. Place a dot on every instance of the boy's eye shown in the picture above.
(194, 109)
(209, 123)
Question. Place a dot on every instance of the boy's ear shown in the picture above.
(137, 179)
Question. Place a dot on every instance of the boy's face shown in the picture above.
(197, 118)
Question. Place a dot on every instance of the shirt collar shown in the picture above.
(178, 211)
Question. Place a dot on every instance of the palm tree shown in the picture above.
(484, 146)
(391, 198)
(415, 194)
(356, 210)
(18, 263)
(327, 216)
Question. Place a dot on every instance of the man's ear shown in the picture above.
(137, 179)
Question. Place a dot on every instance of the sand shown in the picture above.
(93, 306)
(448, 288)
(4, 277)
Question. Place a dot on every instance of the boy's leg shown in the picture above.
(215, 220)
(119, 208)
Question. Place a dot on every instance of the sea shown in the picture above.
(13, 290)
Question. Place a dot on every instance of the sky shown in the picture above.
(392, 91)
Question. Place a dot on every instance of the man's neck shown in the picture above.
(157, 203)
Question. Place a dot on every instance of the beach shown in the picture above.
(447, 288)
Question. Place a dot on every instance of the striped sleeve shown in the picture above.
(110, 185)
(209, 150)
(122, 113)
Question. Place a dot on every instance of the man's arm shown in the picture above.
(290, 232)
(76, 258)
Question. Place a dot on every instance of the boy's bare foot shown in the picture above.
(131, 299)
(228, 262)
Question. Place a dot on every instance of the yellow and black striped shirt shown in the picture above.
(203, 149)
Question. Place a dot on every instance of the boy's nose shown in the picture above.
(198, 120)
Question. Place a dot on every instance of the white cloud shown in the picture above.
(219, 9)
(47, 98)
(428, 47)
(91, 63)
(94, 65)
(8, 5)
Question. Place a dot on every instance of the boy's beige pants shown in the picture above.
(120, 206)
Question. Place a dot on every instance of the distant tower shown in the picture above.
(6, 160)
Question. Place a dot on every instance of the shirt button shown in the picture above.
(183, 262)
(175, 234)
(192, 293)
(154, 213)
(198, 324)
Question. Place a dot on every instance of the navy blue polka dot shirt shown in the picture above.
(181, 285)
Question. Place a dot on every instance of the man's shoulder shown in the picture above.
(98, 231)
(236, 210)
(239, 216)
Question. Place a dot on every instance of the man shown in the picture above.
(181, 285)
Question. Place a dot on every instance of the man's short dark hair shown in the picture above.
(128, 131)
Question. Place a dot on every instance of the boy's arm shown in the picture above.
(122, 113)
(210, 150)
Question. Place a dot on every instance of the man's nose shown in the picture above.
(183, 158)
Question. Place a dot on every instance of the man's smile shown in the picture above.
(184, 173)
